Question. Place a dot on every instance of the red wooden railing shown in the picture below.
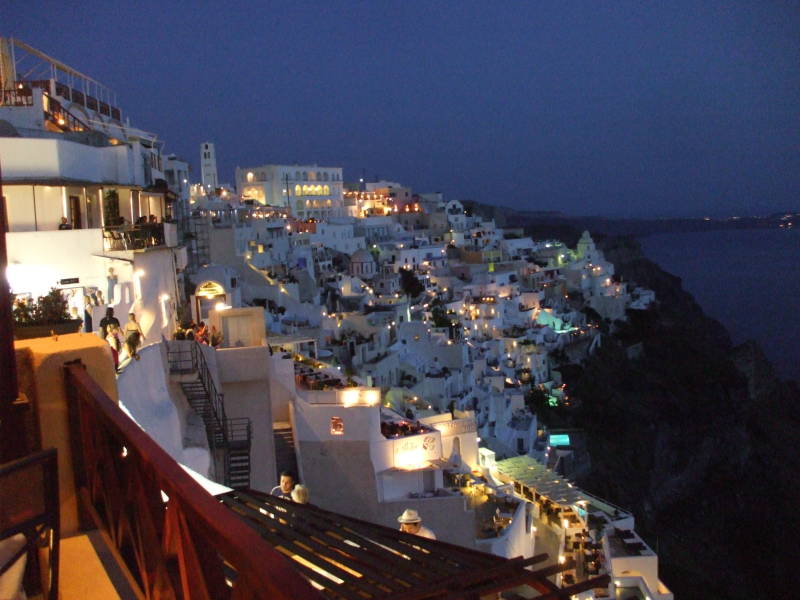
(170, 537)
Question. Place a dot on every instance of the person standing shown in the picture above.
(107, 321)
(133, 336)
(411, 522)
(111, 280)
(87, 314)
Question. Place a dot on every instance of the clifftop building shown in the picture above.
(309, 191)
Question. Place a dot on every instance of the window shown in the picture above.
(337, 426)
(305, 176)
(325, 176)
(326, 190)
(250, 177)
(298, 191)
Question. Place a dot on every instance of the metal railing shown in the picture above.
(168, 535)
(223, 433)
(60, 116)
(191, 359)
(150, 235)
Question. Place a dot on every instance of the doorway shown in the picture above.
(75, 212)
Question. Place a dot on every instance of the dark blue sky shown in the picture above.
(615, 108)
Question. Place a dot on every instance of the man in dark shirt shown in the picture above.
(64, 224)
(109, 319)
(284, 489)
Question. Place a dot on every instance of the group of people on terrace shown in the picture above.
(201, 333)
(392, 429)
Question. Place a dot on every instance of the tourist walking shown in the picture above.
(107, 321)
(113, 340)
(133, 336)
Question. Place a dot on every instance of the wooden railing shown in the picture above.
(169, 536)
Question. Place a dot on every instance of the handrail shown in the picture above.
(177, 547)
(216, 399)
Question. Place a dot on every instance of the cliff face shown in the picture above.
(698, 439)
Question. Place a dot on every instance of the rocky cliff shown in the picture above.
(697, 438)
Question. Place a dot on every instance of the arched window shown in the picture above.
(325, 176)
(298, 191)
(329, 202)
(297, 175)
(308, 203)
(319, 176)
(305, 190)
(250, 177)
(305, 176)
(316, 203)
(326, 189)
(318, 190)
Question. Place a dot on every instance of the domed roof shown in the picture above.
(361, 256)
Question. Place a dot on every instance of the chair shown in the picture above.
(29, 519)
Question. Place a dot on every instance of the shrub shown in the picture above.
(47, 310)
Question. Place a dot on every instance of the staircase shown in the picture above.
(197, 396)
(285, 457)
(237, 458)
(229, 440)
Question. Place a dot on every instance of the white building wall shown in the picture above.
(43, 158)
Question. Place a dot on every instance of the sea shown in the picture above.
(748, 279)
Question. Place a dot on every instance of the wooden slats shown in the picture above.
(374, 562)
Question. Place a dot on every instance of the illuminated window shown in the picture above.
(250, 177)
(337, 426)
(326, 190)
(329, 202)
(318, 190)
(298, 191)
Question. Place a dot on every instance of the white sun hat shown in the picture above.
(409, 516)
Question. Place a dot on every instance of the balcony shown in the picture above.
(140, 237)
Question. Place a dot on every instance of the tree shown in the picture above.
(410, 283)
(537, 401)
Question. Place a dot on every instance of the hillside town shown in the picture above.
(381, 349)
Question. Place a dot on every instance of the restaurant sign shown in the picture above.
(456, 427)
(415, 451)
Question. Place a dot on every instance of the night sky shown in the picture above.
(613, 108)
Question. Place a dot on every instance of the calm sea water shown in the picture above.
(747, 279)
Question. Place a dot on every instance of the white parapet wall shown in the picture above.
(144, 392)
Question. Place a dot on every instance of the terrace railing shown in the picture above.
(169, 536)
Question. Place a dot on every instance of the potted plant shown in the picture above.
(48, 315)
